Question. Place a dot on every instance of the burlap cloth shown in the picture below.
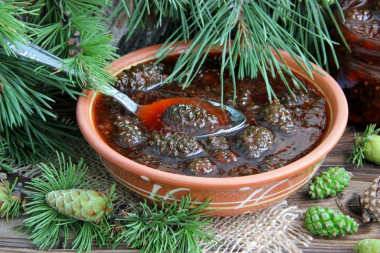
(275, 229)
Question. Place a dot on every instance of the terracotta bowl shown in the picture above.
(230, 196)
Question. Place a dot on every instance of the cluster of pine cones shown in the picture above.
(327, 222)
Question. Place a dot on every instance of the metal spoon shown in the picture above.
(35, 53)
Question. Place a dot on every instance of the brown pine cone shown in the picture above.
(370, 202)
(255, 140)
(174, 145)
(140, 77)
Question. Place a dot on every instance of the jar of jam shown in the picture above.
(359, 73)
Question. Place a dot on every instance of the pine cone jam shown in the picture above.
(276, 134)
(359, 74)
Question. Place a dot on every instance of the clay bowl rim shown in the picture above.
(332, 92)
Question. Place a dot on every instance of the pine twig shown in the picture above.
(162, 227)
(357, 157)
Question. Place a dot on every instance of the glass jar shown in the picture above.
(359, 73)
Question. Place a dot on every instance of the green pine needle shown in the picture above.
(58, 22)
(257, 28)
(357, 157)
(45, 225)
(36, 139)
(10, 203)
(11, 28)
(5, 159)
(164, 226)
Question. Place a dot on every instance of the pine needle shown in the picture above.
(9, 202)
(257, 28)
(357, 157)
(162, 227)
(45, 225)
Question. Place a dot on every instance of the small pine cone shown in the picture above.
(368, 246)
(242, 170)
(271, 162)
(216, 142)
(245, 99)
(184, 118)
(130, 136)
(81, 204)
(224, 156)
(370, 202)
(327, 222)
(202, 166)
(300, 98)
(329, 183)
(174, 145)
(140, 77)
(255, 140)
(280, 118)
(124, 120)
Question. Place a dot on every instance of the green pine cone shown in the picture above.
(371, 149)
(329, 183)
(81, 204)
(327, 222)
(368, 246)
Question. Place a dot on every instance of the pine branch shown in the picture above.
(45, 225)
(11, 28)
(5, 159)
(258, 29)
(72, 30)
(164, 227)
(36, 139)
(360, 145)
(10, 201)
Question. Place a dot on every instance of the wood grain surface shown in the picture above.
(13, 241)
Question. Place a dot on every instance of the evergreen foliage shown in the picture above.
(248, 32)
(162, 227)
(46, 226)
(28, 91)
(251, 31)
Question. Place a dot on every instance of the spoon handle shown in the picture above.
(37, 54)
(121, 97)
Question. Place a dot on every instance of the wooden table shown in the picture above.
(11, 241)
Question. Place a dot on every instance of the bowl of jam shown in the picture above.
(280, 148)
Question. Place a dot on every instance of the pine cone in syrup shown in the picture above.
(187, 118)
(174, 145)
(255, 140)
(140, 77)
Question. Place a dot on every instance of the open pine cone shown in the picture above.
(370, 202)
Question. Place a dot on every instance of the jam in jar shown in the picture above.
(359, 74)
